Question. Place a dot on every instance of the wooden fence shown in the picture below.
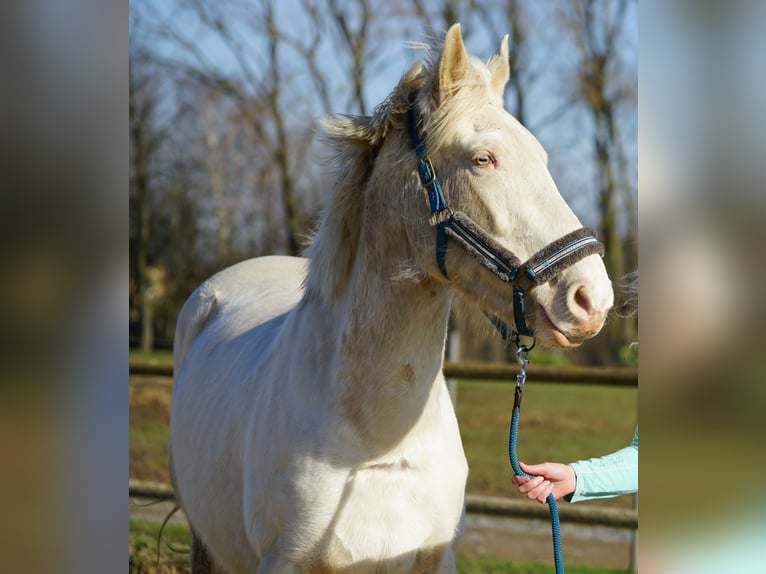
(502, 372)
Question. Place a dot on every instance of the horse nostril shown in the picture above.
(582, 303)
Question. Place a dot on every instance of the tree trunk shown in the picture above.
(217, 174)
(610, 235)
(140, 157)
(282, 150)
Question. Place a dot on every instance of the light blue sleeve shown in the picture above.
(607, 476)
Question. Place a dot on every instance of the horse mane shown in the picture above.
(356, 141)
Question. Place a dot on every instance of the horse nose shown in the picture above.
(584, 306)
(580, 304)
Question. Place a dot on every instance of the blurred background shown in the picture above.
(702, 370)
(69, 162)
(226, 97)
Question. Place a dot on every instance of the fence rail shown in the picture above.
(474, 503)
(614, 376)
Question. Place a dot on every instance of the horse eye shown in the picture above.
(483, 160)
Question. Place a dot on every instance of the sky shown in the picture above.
(570, 153)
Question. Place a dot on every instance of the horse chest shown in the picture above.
(387, 517)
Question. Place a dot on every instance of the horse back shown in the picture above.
(239, 299)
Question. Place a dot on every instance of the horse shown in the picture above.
(311, 429)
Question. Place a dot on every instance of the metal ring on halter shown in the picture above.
(516, 340)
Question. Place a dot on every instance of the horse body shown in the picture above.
(295, 469)
(311, 430)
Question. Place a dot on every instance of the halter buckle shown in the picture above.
(426, 172)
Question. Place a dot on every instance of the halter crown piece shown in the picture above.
(537, 270)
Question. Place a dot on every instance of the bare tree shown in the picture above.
(514, 23)
(442, 15)
(355, 36)
(256, 84)
(596, 26)
(145, 140)
(217, 171)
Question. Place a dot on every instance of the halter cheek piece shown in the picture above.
(538, 269)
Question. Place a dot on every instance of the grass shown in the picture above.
(149, 416)
(481, 565)
(559, 422)
(143, 555)
(163, 356)
(142, 546)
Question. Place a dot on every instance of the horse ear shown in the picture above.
(453, 63)
(498, 67)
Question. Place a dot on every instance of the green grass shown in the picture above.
(148, 451)
(559, 422)
(142, 548)
(164, 356)
(148, 431)
(480, 565)
(143, 555)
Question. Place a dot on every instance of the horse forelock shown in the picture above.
(472, 91)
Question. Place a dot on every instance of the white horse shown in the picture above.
(311, 429)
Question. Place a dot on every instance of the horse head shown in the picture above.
(490, 167)
(495, 171)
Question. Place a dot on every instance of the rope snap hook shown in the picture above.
(522, 355)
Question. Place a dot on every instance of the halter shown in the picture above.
(537, 270)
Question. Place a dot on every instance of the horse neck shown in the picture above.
(392, 336)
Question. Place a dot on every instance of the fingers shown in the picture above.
(518, 480)
(536, 488)
(542, 497)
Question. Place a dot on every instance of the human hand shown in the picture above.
(549, 477)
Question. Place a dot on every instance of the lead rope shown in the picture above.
(522, 354)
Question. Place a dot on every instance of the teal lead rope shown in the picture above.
(523, 355)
